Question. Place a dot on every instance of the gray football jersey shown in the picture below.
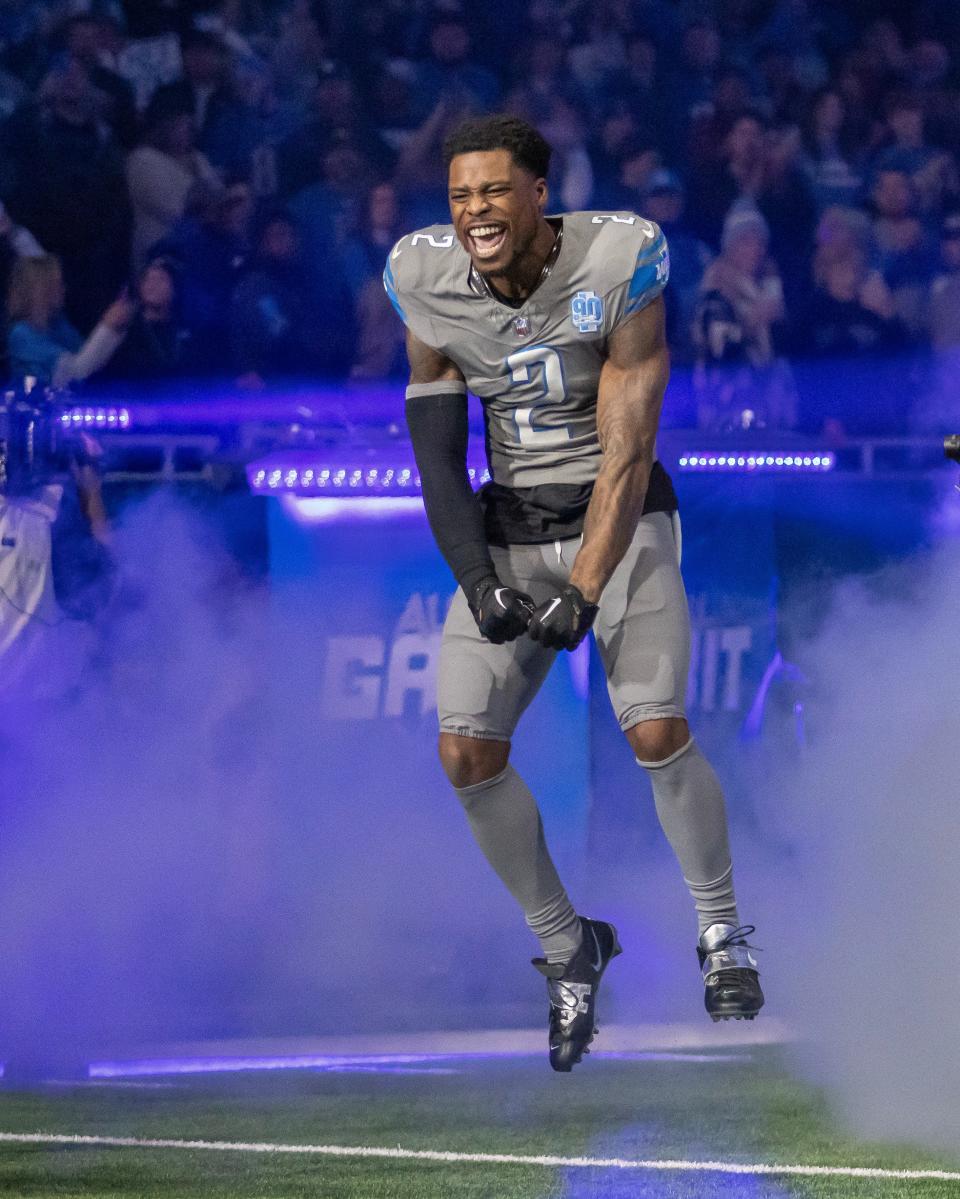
(536, 368)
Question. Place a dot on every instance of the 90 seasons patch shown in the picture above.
(586, 311)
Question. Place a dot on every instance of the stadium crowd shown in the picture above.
(195, 189)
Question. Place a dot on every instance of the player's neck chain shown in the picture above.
(483, 287)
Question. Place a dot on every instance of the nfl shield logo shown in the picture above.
(586, 311)
(521, 326)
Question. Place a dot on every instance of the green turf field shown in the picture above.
(745, 1110)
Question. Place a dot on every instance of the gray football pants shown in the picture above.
(642, 634)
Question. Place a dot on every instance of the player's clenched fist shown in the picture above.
(563, 621)
(502, 614)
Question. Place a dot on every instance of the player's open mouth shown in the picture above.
(486, 240)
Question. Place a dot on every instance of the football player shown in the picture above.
(557, 324)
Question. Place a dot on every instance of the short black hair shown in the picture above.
(500, 132)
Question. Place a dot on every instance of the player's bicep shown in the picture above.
(632, 382)
(428, 365)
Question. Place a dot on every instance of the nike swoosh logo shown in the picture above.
(497, 594)
(555, 603)
(599, 962)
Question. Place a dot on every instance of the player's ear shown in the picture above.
(543, 194)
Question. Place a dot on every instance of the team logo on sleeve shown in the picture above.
(586, 311)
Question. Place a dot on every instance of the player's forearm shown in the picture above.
(438, 432)
(615, 507)
(628, 412)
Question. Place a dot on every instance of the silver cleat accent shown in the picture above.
(724, 957)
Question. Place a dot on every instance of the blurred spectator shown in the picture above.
(786, 203)
(944, 309)
(664, 202)
(146, 60)
(420, 175)
(617, 136)
(599, 49)
(205, 88)
(158, 346)
(711, 122)
(934, 410)
(740, 379)
(849, 321)
(329, 211)
(907, 254)
(542, 76)
(847, 316)
(906, 149)
(639, 87)
(12, 94)
(337, 117)
(301, 55)
(571, 172)
(392, 108)
(20, 241)
(451, 72)
(738, 174)
(829, 152)
(67, 186)
(365, 251)
(748, 279)
(784, 97)
(276, 329)
(637, 161)
(380, 344)
(88, 38)
(691, 87)
(839, 231)
(161, 172)
(41, 343)
(209, 246)
(15, 243)
(932, 171)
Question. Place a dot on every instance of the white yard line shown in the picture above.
(514, 1159)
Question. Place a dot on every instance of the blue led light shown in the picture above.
(295, 473)
(95, 418)
(738, 462)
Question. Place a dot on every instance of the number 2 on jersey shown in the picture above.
(547, 361)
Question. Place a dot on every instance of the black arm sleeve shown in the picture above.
(437, 420)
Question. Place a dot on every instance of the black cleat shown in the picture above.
(729, 973)
(573, 992)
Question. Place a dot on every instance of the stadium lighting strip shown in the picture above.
(349, 480)
(344, 480)
(95, 418)
(743, 463)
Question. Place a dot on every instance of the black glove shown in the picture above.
(501, 613)
(563, 621)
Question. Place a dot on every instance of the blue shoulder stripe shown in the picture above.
(390, 286)
(649, 275)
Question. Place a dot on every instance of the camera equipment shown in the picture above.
(35, 444)
(951, 446)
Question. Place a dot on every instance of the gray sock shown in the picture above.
(506, 824)
(693, 815)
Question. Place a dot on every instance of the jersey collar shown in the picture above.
(482, 288)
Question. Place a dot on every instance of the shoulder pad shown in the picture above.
(616, 243)
(422, 263)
